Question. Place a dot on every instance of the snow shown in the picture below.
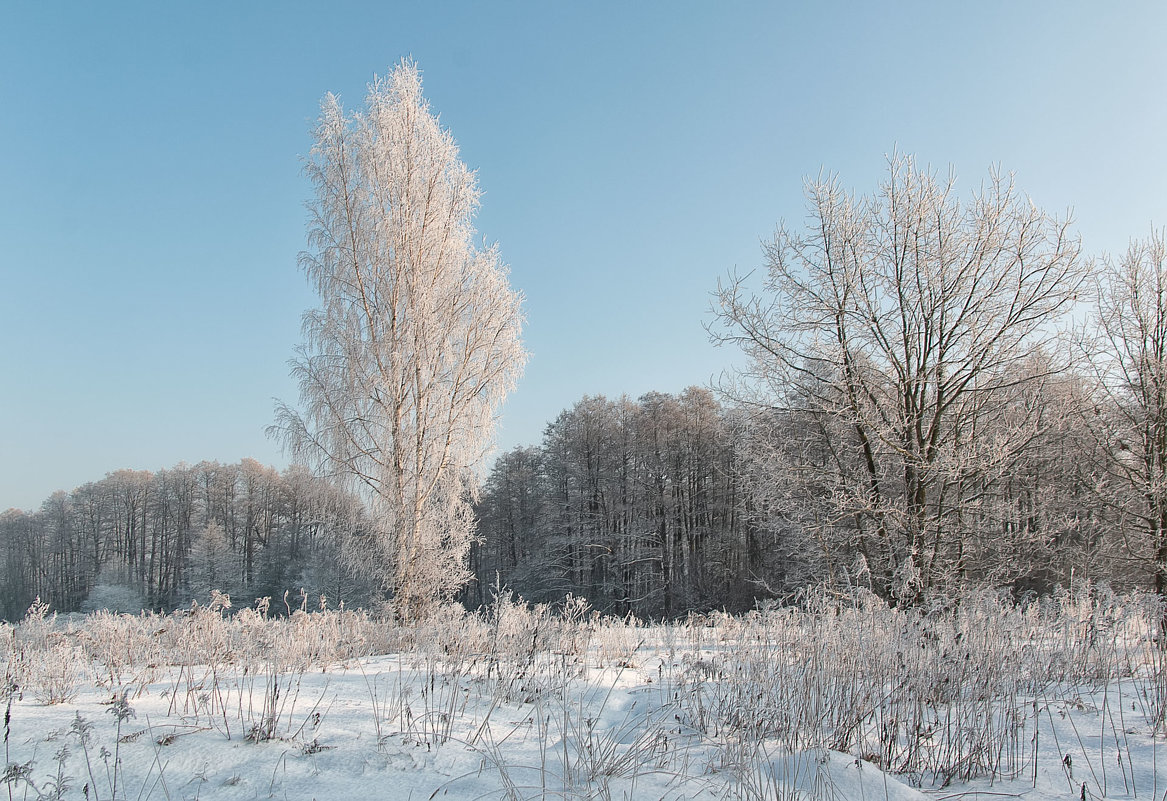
(527, 750)
(628, 712)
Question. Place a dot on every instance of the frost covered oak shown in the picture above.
(416, 341)
(895, 355)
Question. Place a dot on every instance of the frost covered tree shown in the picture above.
(887, 349)
(416, 340)
(1130, 359)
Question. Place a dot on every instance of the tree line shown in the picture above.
(158, 540)
(672, 504)
(635, 505)
(938, 393)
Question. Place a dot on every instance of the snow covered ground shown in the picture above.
(987, 701)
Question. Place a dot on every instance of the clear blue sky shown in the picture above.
(151, 199)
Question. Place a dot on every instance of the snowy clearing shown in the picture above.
(1062, 699)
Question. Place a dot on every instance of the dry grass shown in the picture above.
(939, 695)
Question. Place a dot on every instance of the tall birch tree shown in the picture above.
(416, 340)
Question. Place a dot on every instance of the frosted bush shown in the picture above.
(49, 657)
(618, 640)
(121, 648)
(11, 662)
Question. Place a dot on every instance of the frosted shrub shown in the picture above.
(618, 640)
(577, 623)
(517, 628)
(337, 636)
(450, 633)
(121, 648)
(1152, 678)
(198, 636)
(11, 661)
(48, 658)
(521, 631)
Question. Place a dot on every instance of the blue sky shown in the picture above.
(152, 204)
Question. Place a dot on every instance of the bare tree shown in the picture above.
(417, 338)
(889, 338)
(1131, 364)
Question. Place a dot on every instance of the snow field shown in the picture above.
(837, 699)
